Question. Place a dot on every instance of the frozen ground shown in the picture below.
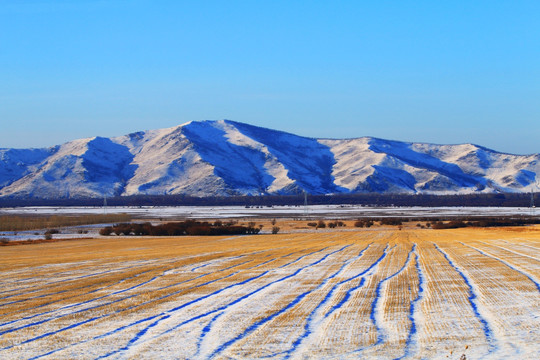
(208, 212)
(327, 211)
(366, 294)
(68, 232)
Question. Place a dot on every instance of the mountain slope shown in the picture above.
(224, 157)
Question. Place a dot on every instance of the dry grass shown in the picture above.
(114, 282)
(21, 223)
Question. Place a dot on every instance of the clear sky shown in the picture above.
(422, 71)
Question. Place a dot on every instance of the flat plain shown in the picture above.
(369, 293)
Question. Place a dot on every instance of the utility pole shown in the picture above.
(305, 204)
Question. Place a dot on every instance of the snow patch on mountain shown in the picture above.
(166, 163)
(87, 167)
(308, 162)
(354, 162)
(230, 158)
(272, 166)
(16, 163)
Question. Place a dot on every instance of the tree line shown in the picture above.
(497, 200)
(180, 228)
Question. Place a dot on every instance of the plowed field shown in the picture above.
(374, 293)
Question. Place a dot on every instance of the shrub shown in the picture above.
(391, 221)
(188, 227)
(106, 231)
(312, 224)
(252, 228)
(321, 224)
(363, 223)
(275, 229)
(122, 229)
(199, 230)
(454, 224)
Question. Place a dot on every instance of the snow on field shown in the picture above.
(365, 294)
(208, 212)
(329, 211)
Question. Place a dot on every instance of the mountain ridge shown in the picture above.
(224, 157)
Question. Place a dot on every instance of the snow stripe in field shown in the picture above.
(205, 331)
(433, 317)
(106, 296)
(36, 271)
(157, 299)
(63, 299)
(413, 315)
(211, 262)
(137, 322)
(522, 272)
(300, 258)
(535, 248)
(160, 316)
(376, 312)
(295, 301)
(472, 300)
(322, 284)
(105, 304)
(249, 294)
(37, 297)
(167, 314)
(347, 295)
(88, 340)
(334, 288)
(56, 318)
(42, 285)
(281, 257)
(258, 324)
(83, 303)
(309, 325)
(221, 260)
(133, 340)
(71, 326)
(266, 319)
(512, 251)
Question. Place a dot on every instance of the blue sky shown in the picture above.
(422, 71)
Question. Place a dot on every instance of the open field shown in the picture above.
(311, 211)
(378, 293)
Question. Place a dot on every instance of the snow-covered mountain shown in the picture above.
(230, 158)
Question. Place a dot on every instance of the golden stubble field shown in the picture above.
(372, 293)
